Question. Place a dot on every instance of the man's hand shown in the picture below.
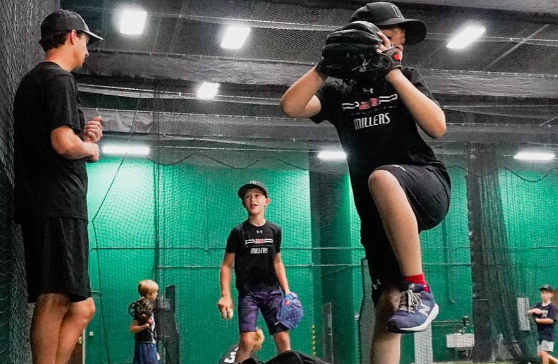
(94, 157)
(93, 131)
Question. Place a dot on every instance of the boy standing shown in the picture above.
(255, 248)
(545, 316)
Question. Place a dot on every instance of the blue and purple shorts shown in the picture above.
(266, 301)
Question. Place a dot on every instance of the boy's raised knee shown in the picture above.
(381, 180)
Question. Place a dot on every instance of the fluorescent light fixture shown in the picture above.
(332, 155)
(208, 90)
(132, 21)
(535, 156)
(234, 37)
(466, 37)
(125, 149)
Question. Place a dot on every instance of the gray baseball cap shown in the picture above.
(252, 184)
(546, 287)
(62, 20)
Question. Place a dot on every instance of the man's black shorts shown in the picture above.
(428, 191)
(56, 257)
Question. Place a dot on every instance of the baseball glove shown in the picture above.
(351, 52)
(141, 310)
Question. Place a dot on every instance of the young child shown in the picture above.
(400, 187)
(230, 354)
(143, 325)
(255, 248)
(545, 316)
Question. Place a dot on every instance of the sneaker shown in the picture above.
(416, 311)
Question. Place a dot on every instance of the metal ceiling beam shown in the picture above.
(525, 6)
(255, 72)
(169, 126)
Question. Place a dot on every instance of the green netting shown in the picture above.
(170, 223)
(176, 233)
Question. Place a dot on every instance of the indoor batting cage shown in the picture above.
(187, 120)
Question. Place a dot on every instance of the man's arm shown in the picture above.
(281, 273)
(225, 302)
(300, 100)
(67, 144)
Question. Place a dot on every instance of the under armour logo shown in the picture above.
(259, 231)
(424, 309)
(369, 90)
(376, 285)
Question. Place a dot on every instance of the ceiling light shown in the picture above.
(208, 90)
(332, 155)
(535, 156)
(466, 37)
(234, 37)
(132, 21)
(125, 149)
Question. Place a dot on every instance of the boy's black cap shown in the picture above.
(252, 184)
(546, 287)
(385, 14)
(62, 20)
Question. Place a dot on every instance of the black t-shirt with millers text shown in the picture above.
(375, 127)
(47, 184)
(255, 248)
(546, 331)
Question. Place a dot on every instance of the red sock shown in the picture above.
(417, 279)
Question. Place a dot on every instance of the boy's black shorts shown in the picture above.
(428, 191)
(56, 257)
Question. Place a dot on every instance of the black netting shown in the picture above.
(19, 51)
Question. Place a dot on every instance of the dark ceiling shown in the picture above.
(503, 88)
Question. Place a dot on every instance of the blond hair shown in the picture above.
(146, 287)
(258, 339)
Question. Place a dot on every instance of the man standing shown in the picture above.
(52, 142)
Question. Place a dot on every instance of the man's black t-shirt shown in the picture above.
(375, 127)
(47, 184)
(255, 248)
(546, 331)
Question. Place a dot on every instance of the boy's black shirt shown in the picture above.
(546, 331)
(47, 184)
(374, 126)
(255, 248)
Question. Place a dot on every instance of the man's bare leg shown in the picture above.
(76, 319)
(48, 317)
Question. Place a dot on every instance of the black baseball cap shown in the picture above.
(252, 184)
(546, 287)
(62, 20)
(386, 14)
